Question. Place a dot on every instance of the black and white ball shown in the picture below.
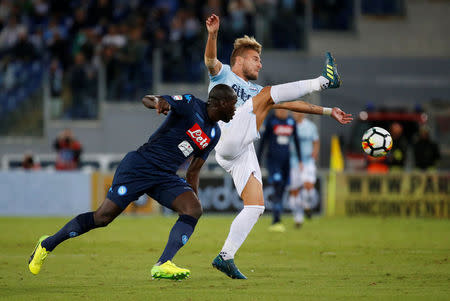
(376, 142)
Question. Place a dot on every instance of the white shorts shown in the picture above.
(298, 177)
(235, 151)
(242, 167)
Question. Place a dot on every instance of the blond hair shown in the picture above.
(243, 44)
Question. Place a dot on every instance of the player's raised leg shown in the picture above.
(79, 225)
(189, 209)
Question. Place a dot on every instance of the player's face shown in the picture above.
(252, 64)
(228, 110)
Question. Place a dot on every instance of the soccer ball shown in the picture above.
(376, 142)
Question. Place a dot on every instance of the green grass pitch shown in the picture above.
(328, 259)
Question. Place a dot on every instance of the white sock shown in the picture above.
(305, 198)
(297, 209)
(294, 90)
(313, 198)
(239, 229)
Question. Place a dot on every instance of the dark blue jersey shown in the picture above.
(187, 131)
(278, 134)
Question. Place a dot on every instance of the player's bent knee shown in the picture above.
(195, 211)
(102, 221)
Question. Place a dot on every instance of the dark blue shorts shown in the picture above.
(279, 172)
(135, 176)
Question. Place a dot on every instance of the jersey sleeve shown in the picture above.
(180, 104)
(205, 153)
(221, 76)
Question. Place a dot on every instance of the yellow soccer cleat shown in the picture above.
(278, 227)
(168, 270)
(38, 257)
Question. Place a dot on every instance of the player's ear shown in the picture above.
(239, 60)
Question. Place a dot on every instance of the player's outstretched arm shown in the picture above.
(211, 61)
(156, 102)
(193, 172)
(308, 108)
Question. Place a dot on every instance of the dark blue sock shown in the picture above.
(178, 237)
(277, 199)
(77, 226)
(277, 208)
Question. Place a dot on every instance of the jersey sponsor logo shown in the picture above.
(198, 136)
(177, 97)
(240, 92)
(185, 148)
(283, 130)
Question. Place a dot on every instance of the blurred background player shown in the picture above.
(189, 130)
(279, 130)
(235, 152)
(303, 196)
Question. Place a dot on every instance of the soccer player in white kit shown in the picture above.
(235, 151)
(304, 200)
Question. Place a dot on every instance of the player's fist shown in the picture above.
(341, 116)
(162, 106)
(212, 23)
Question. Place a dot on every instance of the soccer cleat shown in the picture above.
(37, 257)
(308, 213)
(278, 227)
(330, 72)
(168, 270)
(228, 267)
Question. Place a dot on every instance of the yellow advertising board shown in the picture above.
(101, 182)
(393, 194)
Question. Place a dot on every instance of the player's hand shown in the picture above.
(341, 116)
(300, 166)
(162, 106)
(212, 23)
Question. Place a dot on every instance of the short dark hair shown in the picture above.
(221, 92)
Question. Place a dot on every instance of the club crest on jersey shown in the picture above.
(177, 97)
(198, 136)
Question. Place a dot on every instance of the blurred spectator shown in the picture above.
(56, 88)
(426, 152)
(288, 27)
(333, 14)
(29, 163)
(397, 155)
(10, 33)
(241, 17)
(83, 84)
(68, 151)
(23, 50)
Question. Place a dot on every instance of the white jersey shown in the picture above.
(307, 134)
(235, 151)
(243, 89)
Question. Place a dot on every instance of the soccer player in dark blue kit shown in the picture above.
(280, 129)
(190, 130)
